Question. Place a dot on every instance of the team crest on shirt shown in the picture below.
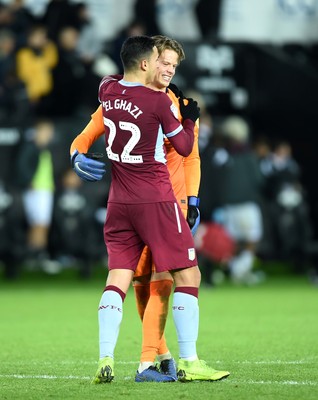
(174, 110)
(191, 254)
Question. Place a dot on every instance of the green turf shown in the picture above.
(266, 336)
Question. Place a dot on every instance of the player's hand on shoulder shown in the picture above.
(174, 88)
(189, 109)
(87, 166)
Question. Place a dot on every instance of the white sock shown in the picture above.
(144, 365)
(185, 311)
(166, 356)
(109, 317)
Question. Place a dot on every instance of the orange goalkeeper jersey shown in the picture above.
(185, 173)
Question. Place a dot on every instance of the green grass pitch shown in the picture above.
(266, 336)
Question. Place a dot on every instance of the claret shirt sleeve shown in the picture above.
(181, 136)
(182, 141)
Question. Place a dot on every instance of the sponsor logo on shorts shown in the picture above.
(191, 254)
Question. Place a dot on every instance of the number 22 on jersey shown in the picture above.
(125, 156)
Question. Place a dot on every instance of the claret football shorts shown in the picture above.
(161, 226)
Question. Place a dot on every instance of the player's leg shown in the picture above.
(173, 250)
(178, 239)
(110, 309)
(142, 293)
(154, 321)
(124, 248)
(152, 300)
(186, 310)
(186, 318)
(141, 281)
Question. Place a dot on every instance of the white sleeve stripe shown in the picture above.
(177, 217)
(175, 132)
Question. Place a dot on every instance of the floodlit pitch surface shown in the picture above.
(266, 336)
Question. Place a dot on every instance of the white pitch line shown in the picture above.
(274, 362)
(21, 376)
(228, 381)
(81, 362)
(295, 383)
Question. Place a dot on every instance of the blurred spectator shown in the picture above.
(291, 232)
(208, 13)
(206, 123)
(6, 18)
(36, 7)
(145, 10)
(35, 63)
(231, 188)
(89, 44)
(58, 15)
(68, 75)
(136, 28)
(75, 234)
(111, 16)
(281, 169)
(90, 51)
(262, 149)
(178, 19)
(12, 91)
(35, 178)
(21, 20)
(12, 232)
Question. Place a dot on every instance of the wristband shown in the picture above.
(193, 201)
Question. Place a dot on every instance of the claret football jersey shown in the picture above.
(137, 120)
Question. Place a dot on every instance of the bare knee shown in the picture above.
(187, 277)
(120, 278)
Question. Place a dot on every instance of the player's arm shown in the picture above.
(192, 169)
(192, 173)
(182, 137)
(192, 163)
(87, 165)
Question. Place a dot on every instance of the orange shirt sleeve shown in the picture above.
(92, 132)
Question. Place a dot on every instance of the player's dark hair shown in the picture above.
(136, 49)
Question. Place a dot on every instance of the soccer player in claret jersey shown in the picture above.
(142, 208)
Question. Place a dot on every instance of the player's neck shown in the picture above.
(135, 77)
(154, 87)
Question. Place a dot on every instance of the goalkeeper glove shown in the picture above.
(87, 166)
(174, 88)
(193, 216)
(190, 110)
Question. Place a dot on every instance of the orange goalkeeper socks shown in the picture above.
(142, 293)
(154, 320)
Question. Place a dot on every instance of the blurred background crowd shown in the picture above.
(253, 67)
